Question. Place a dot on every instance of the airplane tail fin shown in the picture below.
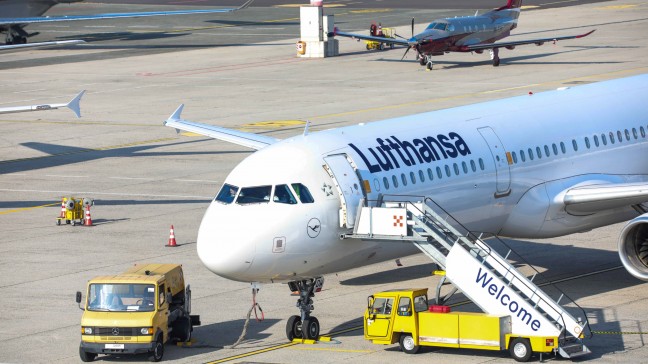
(74, 104)
(511, 4)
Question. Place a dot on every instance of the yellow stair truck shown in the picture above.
(403, 316)
(136, 312)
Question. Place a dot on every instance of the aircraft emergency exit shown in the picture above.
(464, 34)
(534, 166)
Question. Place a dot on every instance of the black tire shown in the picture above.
(368, 47)
(520, 349)
(157, 353)
(182, 329)
(311, 328)
(406, 344)
(85, 356)
(422, 61)
(58, 222)
(429, 66)
(496, 62)
(294, 328)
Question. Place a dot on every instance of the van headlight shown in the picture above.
(87, 331)
(146, 331)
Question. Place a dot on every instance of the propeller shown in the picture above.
(410, 46)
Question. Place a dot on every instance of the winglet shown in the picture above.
(74, 104)
(245, 5)
(586, 34)
(176, 114)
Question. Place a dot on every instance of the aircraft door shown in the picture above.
(501, 160)
(343, 172)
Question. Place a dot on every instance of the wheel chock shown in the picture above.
(186, 343)
(311, 341)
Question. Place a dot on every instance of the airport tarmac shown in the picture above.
(144, 177)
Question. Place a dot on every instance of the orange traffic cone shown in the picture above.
(62, 215)
(172, 242)
(88, 219)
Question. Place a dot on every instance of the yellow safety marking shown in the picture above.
(508, 158)
(304, 341)
(28, 208)
(511, 88)
(525, 7)
(365, 11)
(300, 5)
(251, 353)
(273, 124)
(620, 332)
(439, 273)
(617, 7)
(190, 134)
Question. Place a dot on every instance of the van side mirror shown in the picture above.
(78, 300)
(370, 301)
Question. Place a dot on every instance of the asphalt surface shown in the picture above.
(241, 71)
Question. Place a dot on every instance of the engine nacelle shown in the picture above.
(633, 247)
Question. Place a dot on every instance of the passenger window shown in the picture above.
(456, 168)
(227, 193)
(562, 148)
(596, 141)
(404, 307)
(439, 174)
(611, 138)
(404, 179)
(473, 166)
(464, 167)
(413, 177)
(530, 153)
(555, 148)
(161, 295)
(447, 170)
(420, 303)
(303, 193)
(283, 195)
(395, 181)
(575, 145)
(382, 306)
(386, 182)
(627, 134)
(546, 148)
(587, 142)
(481, 164)
(538, 152)
(603, 139)
(514, 156)
(619, 136)
(249, 195)
(421, 176)
(522, 156)
(642, 131)
(634, 133)
(430, 174)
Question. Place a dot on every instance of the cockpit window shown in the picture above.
(227, 193)
(303, 193)
(431, 26)
(440, 26)
(259, 194)
(283, 195)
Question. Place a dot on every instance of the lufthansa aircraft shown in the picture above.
(534, 166)
(464, 34)
(16, 14)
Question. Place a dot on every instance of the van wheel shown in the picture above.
(520, 349)
(183, 328)
(156, 354)
(85, 356)
(407, 344)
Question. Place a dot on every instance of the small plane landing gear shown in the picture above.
(494, 55)
(304, 326)
(422, 60)
(429, 65)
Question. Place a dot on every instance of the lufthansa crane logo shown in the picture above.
(314, 227)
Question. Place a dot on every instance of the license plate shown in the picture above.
(114, 346)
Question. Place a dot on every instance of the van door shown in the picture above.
(501, 160)
(378, 319)
(344, 174)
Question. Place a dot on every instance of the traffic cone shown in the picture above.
(62, 215)
(172, 242)
(88, 219)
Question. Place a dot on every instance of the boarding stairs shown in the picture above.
(471, 265)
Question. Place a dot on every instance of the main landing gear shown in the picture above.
(494, 55)
(17, 35)
(304, 326)
(426, 60)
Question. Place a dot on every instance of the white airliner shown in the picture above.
(73, 105)
(534, 166)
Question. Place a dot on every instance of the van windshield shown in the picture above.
(121, 297)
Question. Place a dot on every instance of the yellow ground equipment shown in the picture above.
(403, 316)
(135, 312)
(73, 212)
(387, 33)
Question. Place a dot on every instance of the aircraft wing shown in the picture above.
(402, 42)
(482, 46)
(17, 47)
(47, 19)
(590, 199)
(250, 140)
(72, 105)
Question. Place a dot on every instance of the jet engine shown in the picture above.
(633, 247)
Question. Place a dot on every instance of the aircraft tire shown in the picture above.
(294, 328)
(311, 328)
(429, 66)
(496, 62)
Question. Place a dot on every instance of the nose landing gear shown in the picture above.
(304, 326)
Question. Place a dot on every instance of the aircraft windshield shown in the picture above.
(121, 297)
(259, 194)
(283, 195)
(227, 193)
(441, 26)
(303, 193)
(431, 26)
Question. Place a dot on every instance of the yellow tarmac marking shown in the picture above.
(251, 353)
(366, 11)
(526, 7)
(312, 348)
(300, 5)
(273, 124)
(190, 134)
(28, 208)
(618, 7)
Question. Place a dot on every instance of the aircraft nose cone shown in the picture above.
(222, 244)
